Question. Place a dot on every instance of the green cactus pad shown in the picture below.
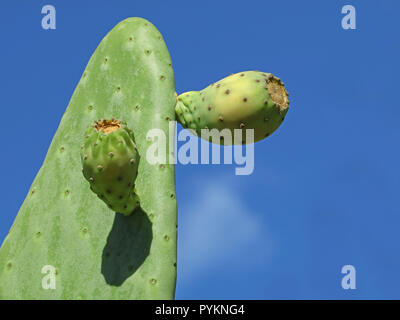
(110, 163)
(97, 253)
(245, 100)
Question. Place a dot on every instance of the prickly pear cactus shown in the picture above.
(245, 100)
(96, 253)
(110, 162)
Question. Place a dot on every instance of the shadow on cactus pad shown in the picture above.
(128, 245)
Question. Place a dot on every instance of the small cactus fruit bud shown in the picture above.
(111, 166)
(241, 101)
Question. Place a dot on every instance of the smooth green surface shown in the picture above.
(99, 254)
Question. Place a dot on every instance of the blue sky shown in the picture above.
(325, 189)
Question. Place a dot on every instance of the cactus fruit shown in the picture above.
(97, 253)
(110, 162)
(245, 100)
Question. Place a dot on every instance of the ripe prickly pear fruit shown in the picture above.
(245, 100)
(110, 163)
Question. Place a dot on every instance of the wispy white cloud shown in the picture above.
(217, 228)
